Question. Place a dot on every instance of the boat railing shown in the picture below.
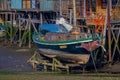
(53, 37)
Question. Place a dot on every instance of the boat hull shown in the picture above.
(76, 52)
(70, 48)
(67, 57)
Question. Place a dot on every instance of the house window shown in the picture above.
(114, 2)
(93, 2)
(104, 3)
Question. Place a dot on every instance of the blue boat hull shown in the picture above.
(70, 48)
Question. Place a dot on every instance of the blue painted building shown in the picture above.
(47, 5)
(43, 5)
(16, 4)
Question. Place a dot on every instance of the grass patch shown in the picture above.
(49, 76)
(7, 73)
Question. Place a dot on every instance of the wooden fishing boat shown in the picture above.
(55, 41)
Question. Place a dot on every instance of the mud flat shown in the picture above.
(14, 66)
(14, 60)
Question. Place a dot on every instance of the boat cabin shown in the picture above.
(55, 32)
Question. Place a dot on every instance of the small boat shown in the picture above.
(54, 40)
(2, 30)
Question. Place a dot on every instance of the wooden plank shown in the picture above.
(32, 20)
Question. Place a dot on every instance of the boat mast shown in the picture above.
(60, 7)
(74, 13)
